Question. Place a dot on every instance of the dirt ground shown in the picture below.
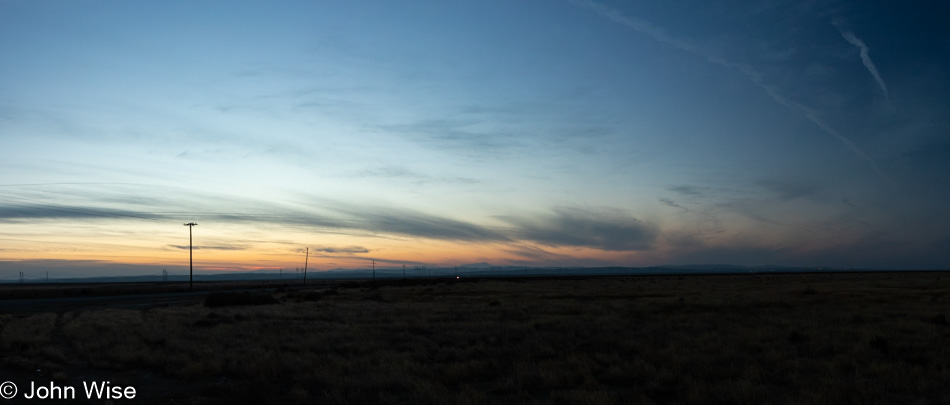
(783, 339)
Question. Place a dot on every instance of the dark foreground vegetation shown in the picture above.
(83, 290)
(878, 338)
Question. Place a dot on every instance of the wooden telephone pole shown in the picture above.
(191, 268)
(305, 261)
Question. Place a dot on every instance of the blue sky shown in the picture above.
(526, 133)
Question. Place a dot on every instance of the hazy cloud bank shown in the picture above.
(599, 229)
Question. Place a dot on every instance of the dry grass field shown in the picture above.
(868, 338)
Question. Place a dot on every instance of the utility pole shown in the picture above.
(305, 260)
(374, 270)
(191, 266)
(404, 271)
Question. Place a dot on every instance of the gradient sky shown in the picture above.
(541, 133)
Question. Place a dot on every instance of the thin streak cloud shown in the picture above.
(757, 78)
(206, 247)
(865, 57)
(345, 250)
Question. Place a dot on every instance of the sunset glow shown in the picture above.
(529, 133)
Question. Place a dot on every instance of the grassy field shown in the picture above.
(869, 338)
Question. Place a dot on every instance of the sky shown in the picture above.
(528, 133)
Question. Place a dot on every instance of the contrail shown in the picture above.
(865, 57)
(647, 28)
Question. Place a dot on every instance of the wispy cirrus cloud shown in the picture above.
(210, 247)
(789, 190)
(413, 223)
(687, 190)
(670, 203)
(350, 250)
(754, 75)
(468, 137)
(605, 229)
(865, 56)
(402, 173)
(22, 211)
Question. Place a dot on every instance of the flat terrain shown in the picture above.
(855, 338)
(67, 297)
(12, 291)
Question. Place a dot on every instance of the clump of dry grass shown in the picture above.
(849, 339)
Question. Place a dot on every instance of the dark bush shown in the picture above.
(227, 299)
